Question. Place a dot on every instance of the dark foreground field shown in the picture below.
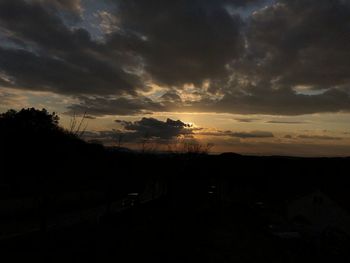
(156, 233)
(198, 211)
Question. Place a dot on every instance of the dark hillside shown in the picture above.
(63, 199)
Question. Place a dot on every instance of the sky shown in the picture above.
(248, 76)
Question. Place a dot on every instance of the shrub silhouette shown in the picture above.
(27, 124)
(32, 140)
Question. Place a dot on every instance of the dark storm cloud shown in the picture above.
(242, 135)
(150, 128)
(65, 5)
(278, 102)
(42, 72)
(303, 42)
(56, 58)
(291, 44)
(289, 58)
(100, 106)
(185, 41)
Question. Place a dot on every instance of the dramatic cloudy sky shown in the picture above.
(257, 76)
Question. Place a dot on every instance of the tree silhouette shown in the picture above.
(29, 121)
(33, 138)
